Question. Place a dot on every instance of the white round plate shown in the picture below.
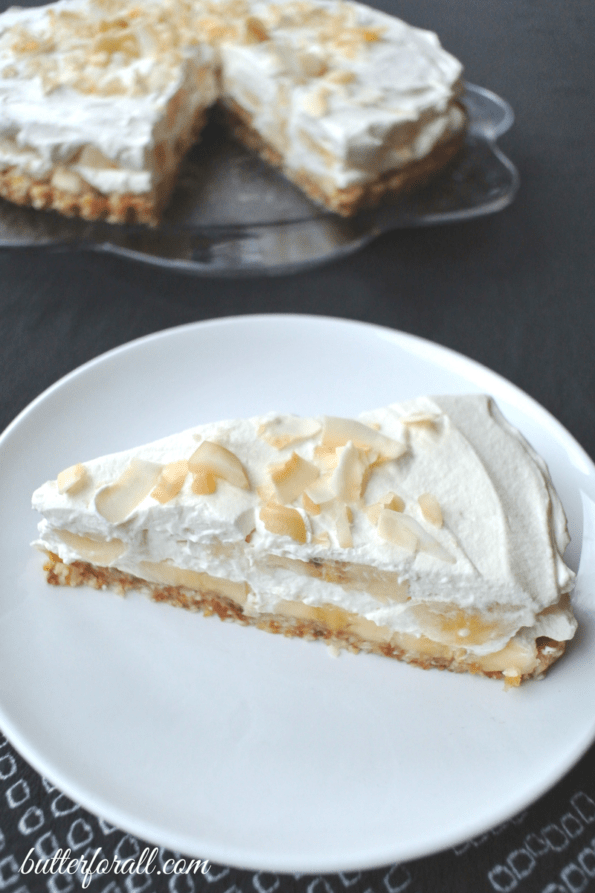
(248, 749)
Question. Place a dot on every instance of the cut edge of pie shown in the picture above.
(350, 200)
(337, 628)
(65, 191)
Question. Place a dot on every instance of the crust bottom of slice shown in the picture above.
(88, 203)
(348, 201)
(209, 602)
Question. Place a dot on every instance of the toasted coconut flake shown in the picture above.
(255, 30)
(291, 478)
(430, 509)
(116, 501)
(392, 529)
(284, 521)
(340, 76)
(342, 517)
(214, 28)
(321, 491)
(72, 480)
(369, 468)
(101, 552)
(338, 431)
(312, 64)
(203, 483)
(287, 430)
(212, 458)
(326, 457)
(315, 103)
(373, 512)
(390, 501)
(171, 480)
(370, 35)
(347, 479)
(310, 506)
(266, 492)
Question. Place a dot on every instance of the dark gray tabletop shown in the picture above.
(514, 291)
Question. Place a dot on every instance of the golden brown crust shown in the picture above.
(349, 201)
(81, 573)
(23, 189)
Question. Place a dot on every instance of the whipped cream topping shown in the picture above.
(95, 87)
(441, 496)
(342, 91)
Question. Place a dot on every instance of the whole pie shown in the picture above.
(428, 531)
(100, 99)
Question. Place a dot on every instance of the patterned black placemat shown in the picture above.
(548, 848)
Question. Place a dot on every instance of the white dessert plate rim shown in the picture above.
(285, 760)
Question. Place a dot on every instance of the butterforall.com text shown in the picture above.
(63, 862)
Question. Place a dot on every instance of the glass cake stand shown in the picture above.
(233, 215)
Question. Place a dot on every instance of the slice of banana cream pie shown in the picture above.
(428, 531)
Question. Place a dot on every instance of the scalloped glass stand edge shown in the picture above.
(232, 215)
